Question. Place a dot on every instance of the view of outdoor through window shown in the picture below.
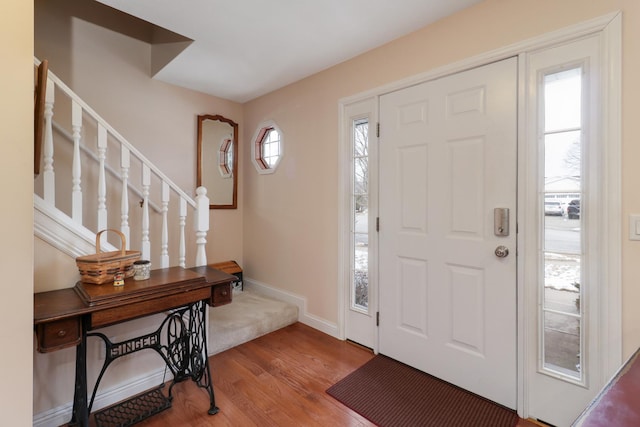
(563, 213)
(360, 212)
(271, 147)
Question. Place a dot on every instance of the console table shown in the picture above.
(67, 317)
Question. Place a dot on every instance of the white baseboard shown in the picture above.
(304, 316)
(62, 414)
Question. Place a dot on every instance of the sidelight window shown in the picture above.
(563, 215)
(360, 215)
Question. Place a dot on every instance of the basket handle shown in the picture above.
(123, 239)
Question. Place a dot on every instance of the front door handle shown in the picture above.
(502, 251)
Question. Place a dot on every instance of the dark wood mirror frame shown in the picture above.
(38, 113)
(201, 165)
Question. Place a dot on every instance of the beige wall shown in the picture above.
(285, 233)
(105, 67)
(111, 72)
(290, 221)
(16, 224)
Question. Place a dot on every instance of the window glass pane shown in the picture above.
(360, 216)
(360, 176)
(361, 138)
(361, 288)
(266, 150)
(272, 136)
(562, 161)
(271, 147)
(562, 282)
(561, 234)
(562, 100)
(562, 243)
(361, 270)
(361, 205)
(562, 343)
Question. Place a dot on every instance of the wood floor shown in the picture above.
(276, 380)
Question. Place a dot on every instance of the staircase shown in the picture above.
(91, 188)
(86, 185)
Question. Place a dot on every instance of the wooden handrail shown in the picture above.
(86, 108)
(105, 131)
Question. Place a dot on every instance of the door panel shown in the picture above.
(447, 159)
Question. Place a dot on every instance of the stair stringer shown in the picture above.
(60, 231)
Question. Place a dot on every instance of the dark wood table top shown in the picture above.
(214, 276)
(163, 281)
(57, 305)
(86, 298)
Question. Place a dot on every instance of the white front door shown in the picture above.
(447, 160)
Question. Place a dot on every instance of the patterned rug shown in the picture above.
(392, 394)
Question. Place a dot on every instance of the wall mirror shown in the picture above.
(218, 160)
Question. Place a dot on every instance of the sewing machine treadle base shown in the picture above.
(134, 409)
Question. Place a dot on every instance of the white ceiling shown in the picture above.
(246, 48)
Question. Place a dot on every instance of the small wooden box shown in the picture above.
(220, 281)
(230, 267)
(221, 295)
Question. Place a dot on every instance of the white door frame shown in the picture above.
(611, 321)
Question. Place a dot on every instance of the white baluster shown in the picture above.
(146, 184)
(182, 252)
(102, 181)
(164, 245)
(125, 164)
(47, 149)
(76, 169)
(201, 224)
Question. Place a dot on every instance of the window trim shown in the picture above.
(606, 304)
(588, 133)
(356, 121)
(260, 164)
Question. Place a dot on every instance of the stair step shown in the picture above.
(249, 316)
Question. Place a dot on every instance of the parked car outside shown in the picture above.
(573, 209)
(553, 208)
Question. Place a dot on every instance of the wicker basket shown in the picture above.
(101, 268)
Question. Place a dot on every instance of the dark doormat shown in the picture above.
(392, 394)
